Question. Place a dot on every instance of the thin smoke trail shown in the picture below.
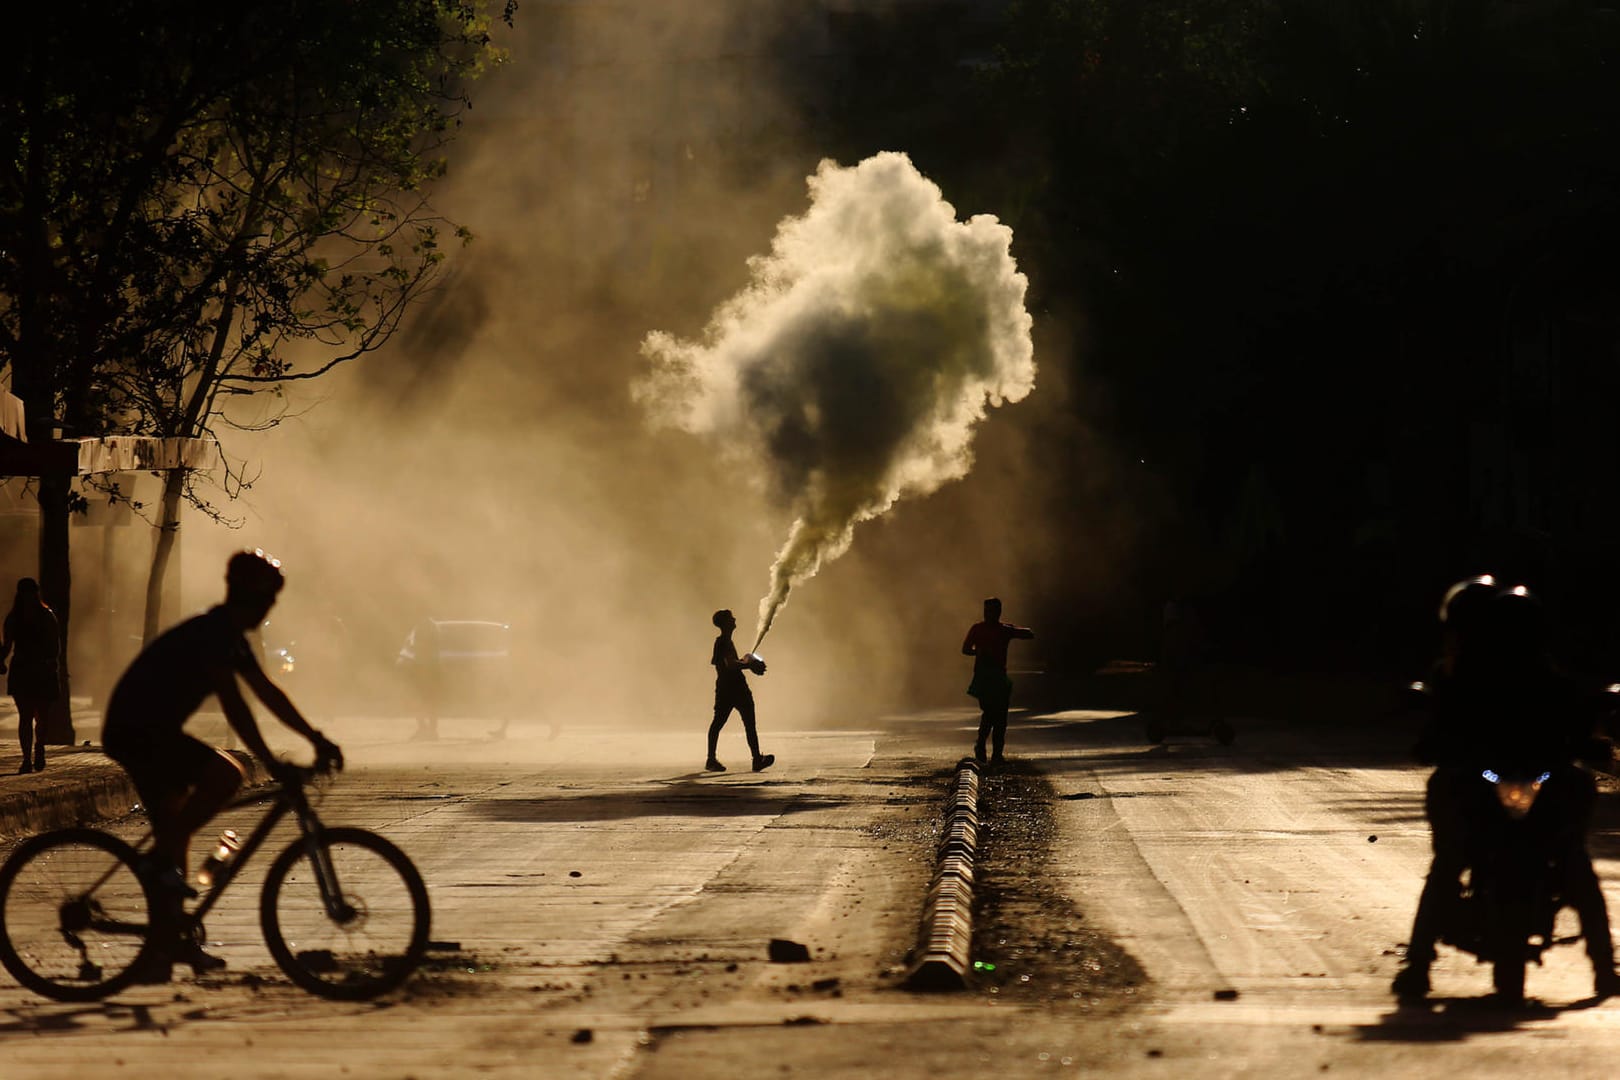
(856, 364)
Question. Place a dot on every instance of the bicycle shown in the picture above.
(344, 911)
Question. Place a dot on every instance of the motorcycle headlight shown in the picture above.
(1516, 796)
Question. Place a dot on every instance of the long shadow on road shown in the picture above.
(1446, 1020)
(1118, 740)
(701, 801)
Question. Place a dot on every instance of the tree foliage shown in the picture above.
(199, 201)
(195, 187)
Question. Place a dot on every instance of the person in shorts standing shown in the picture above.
(987, 643)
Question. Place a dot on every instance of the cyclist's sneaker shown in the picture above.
(713, 765)
(763, 762)
(192, 954)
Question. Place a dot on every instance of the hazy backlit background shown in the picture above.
(490, 463)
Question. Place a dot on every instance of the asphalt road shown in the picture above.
(604, 910)
(1268, 888)
(589, 891)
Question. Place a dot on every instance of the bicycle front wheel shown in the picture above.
(73, 914)
(345, 914)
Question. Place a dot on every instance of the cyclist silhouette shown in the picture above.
(183, 781)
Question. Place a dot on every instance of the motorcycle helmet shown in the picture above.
(1513, 625)
(1464, 600)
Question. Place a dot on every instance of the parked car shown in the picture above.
(458, 668)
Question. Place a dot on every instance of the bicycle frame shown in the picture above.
(84, 918)
(285, 800)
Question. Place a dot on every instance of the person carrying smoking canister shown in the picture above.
(731, 692)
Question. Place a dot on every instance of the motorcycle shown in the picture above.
(1518, 848)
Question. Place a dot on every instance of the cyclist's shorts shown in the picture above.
(164, 767)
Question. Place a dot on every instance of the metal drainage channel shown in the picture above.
(947, 930)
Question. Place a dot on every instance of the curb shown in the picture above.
(86, 799)
(947, 926)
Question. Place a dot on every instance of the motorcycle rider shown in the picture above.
(1496, 700)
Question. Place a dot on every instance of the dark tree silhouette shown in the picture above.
(202, 201)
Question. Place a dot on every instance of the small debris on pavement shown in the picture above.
(783, 951)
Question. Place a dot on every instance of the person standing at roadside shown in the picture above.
(731, 692)
(32, 640)
(987, 643)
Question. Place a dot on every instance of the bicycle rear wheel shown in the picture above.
(374, 933)
(73, 914)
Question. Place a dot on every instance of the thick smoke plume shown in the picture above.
(851, 371)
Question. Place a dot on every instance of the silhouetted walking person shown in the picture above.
(32, 641)
(987, 643)
(731, 692)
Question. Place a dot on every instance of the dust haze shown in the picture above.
(618, 172)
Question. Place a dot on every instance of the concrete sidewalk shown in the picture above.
(79, 785)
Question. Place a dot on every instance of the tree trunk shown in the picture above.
(168, 525)
(189, 426)
(56, 589)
